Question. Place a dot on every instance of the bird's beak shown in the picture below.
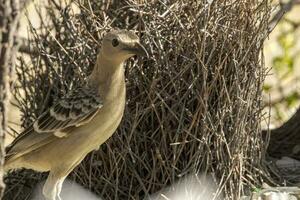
(138, 49)
(141, 50)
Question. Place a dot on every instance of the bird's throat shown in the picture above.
(108, 76)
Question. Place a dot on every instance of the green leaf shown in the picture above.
(267, 87)
(286, 40)
(292, 99)
(256, 190)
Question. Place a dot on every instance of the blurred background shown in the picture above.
(282, 58)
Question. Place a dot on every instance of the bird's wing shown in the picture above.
(74, 109)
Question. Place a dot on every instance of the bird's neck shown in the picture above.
(107, 75)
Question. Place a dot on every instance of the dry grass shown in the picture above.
(193, 107)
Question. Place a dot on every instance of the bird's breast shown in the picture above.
(106, 121)
(108, 117)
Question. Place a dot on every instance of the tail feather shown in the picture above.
(25, 144)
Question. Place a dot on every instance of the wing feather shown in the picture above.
(75, 109)
(69, 111)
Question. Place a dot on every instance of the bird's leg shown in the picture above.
(59, 187)
(61, 174)
(49, 189)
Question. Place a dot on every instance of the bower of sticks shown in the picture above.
(193, 107)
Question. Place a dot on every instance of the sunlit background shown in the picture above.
(282, 58)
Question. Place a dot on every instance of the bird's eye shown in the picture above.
(115, 42)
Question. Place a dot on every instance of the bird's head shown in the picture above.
(122, 44)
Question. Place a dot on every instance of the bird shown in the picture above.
(80, 121)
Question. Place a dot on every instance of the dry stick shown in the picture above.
(173, 46)
(10, 12)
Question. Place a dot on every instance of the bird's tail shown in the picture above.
(10, 161)
(8, 164)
